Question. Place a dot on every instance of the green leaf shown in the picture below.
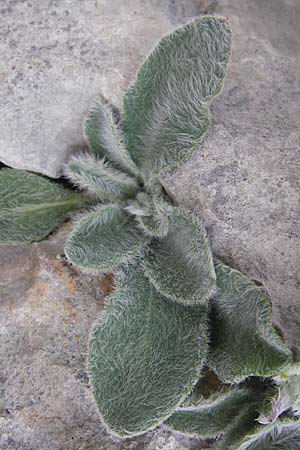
(289, 397)
(166, 111)
(242, 424)
(105, 138)
(281, 436)
(180, 264)
(230, 413)
(151, 214)
(293, 369)
(211, 417)
(285, 402)
(104, 239)
(100, 178)
(31, 206)
(145, 355)
(243, 340)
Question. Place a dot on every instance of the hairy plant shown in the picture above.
(175, 309)
(243, 340)
(145, 354)
(188, 257)
(104, 238)
(32, 206)
(241, 425)
(286, 401)
(227, 414)
(166, 111)
(106, 140)
(282, 436)
(278, 428)
(101, 179)
(212, 416)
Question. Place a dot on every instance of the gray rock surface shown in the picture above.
(245, 180)
(47, 309)
(57, 56)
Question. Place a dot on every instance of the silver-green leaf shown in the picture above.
(281, 436)
(243, 340)
(211, 416)
(151, 213)
(105, 138)
(100, 178)
(285, 402)
(31, 206)
(180, 265)
(145, 355)
(104, 239)
(241, 425)
(166, 111)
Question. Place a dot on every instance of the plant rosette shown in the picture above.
(175, 310)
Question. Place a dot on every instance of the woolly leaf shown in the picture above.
(293, 369)
(151, 214)
(166, 110)
(100, 178)
(289, 396)
(243, 341)
(180, 264)
(104, 239)
(281, 436)
(145, 355)
(32, 206)
(286, 401)
(242, 424)
(211, 417)
(105, 138)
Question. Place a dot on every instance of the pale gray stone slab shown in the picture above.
(58, 56)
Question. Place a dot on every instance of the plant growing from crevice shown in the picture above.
(176, 311)
(256, 414)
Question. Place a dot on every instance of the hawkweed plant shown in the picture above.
(176, 313)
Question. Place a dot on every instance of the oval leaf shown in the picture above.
(151, 214)
(166, 110)
(242, 424)
(180, 264)
(32, 206)
(282, 436)
(211, 417)
(104, 239)
(145, 355)
(286, 400)
(100, 178)
(105, 138)
(243, 340)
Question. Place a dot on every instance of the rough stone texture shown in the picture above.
(57, 56)
(245, 180)
(47, 309)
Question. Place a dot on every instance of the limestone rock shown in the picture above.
(244, 181)
(58, 56)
